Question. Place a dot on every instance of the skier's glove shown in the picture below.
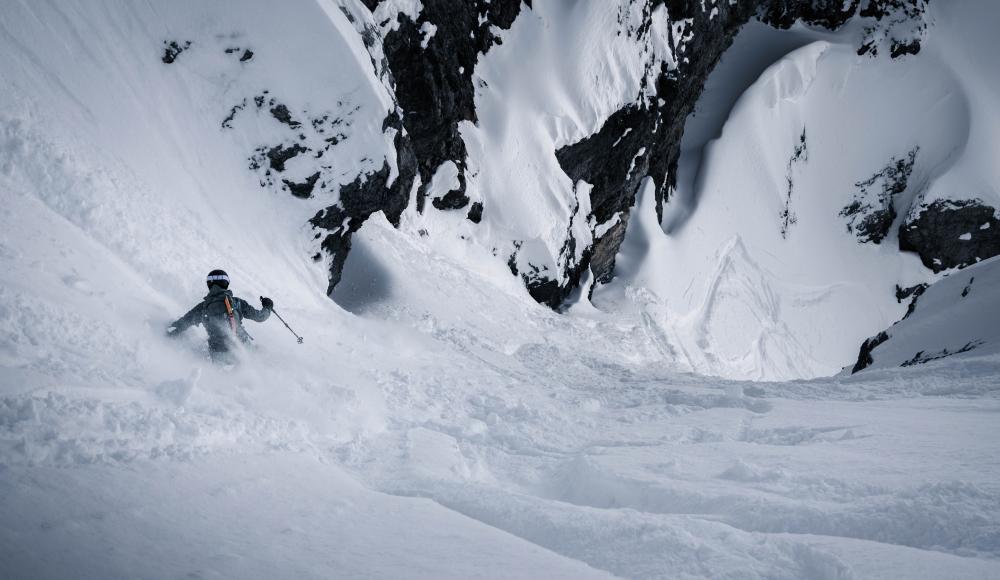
(172, 332)
(267, 303)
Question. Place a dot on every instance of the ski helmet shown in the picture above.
(218, 277)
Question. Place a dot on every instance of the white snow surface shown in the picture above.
(956, 316)
(758, 276)
(436, 422)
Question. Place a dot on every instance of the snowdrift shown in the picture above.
(437, 421)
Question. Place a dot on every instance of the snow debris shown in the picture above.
(428, 30)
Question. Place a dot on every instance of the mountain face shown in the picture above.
(953, 317)
(607, 343)
(427, 53)
(753, 179)
(531, 130)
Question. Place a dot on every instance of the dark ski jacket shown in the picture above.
(211, 313)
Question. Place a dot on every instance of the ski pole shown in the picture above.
(286, 325)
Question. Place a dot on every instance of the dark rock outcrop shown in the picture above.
(644, 139)
(952, 234)
(865, 355)
(913, 293)
(871, 213)
(172, 49)
(302, 189)
(431, 78)
(800, 154)
(363, 197)
(923, 357)
(280, 154)
(898, 24)
(475, 214)
(283, 115)
(433, 83)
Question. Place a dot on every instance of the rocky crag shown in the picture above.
(431, 76)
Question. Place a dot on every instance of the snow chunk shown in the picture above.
(428, 30)
(965, 237)
(387, 13)
(604, 228)
(445, 179)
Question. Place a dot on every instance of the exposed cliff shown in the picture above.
(431, 50)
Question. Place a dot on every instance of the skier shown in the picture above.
(222, 316)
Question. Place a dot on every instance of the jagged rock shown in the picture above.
(434, 83)
(865, 355)
(432, 80)
(871, 213)
(227, 123)
(923, 357)
(363, 197)
(898, 49)
(173, 49)
(968, 287)
(951, 234)
(800, 154)
(454, 199)
(280, 154)
(337, 243)
(302, 189)
(283, 115)
(538, 282)
(602, 259)
(644, 139)
(899, 25)
(475, 212)
(913, 293)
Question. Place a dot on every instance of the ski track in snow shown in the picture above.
(545, 435)
(447, 426)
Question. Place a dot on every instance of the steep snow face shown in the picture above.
(541, 89)
(205, 131)
(955, 317)
(442, 424)
(560, 71)
(576, 104)
(785, 243)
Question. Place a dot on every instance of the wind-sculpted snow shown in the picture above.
(437, 422)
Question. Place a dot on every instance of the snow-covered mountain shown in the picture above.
(544, 226)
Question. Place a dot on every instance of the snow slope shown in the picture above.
(440, 424)
(956, 316)
(760, 275)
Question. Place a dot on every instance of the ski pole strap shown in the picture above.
(229, 312)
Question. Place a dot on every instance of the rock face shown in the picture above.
(898, 24)
(871, 213)
(954, 317)
(428, 69)
(433, 79)
(951, 234)
(644, 139)
(366, 195)
(865, 355)
(427, 54)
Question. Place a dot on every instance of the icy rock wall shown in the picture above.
(431, 51)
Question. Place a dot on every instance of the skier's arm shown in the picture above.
(251, 313)
(192, 318)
